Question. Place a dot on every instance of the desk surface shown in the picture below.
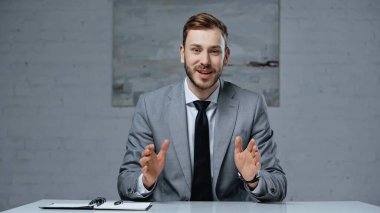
(220, 207)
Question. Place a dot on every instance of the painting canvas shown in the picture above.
(147, 36)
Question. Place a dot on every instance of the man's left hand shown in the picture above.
(247, 161)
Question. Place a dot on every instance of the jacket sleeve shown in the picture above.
(140, 135)
(272, 184)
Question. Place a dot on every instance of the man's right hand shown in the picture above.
(152, 164)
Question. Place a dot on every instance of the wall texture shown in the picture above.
(60, 137)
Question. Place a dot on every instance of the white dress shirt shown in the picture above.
(192, 114)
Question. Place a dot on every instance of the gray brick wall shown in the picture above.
(329, 119)
(60, 137)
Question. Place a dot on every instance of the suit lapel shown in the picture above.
(226, 115)
(178, 128)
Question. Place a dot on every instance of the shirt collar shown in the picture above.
(190, 97)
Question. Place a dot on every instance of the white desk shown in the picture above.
(221, 207)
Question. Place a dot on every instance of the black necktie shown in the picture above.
(201, 184)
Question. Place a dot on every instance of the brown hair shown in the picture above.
(204, 21)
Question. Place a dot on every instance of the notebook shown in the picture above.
(101, 204)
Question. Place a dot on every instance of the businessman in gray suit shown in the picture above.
(202, 138)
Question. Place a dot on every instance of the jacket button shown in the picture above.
(272, 190)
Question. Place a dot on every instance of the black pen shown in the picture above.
(97, 201)
(118, 202)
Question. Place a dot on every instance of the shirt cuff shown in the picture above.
(140, 189)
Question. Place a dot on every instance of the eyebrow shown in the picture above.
(212, 47)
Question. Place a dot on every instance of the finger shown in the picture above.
(238, 144)
(255, 148)
(253, 140)
(258, 156)
(146, 152)
(258, 165)
(250, 145)
(150, 147)
(164, 148)
(144, 161)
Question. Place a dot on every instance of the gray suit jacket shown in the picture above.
(161, 114)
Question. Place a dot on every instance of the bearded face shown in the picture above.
(204, 56)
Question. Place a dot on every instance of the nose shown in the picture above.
(205, 59)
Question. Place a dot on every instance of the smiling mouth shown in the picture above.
(205, 72)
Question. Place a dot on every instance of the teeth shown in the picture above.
(204, 72)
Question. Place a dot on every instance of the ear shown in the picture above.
(182, 53)
(226, 56)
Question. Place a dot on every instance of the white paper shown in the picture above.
(136, 206)
(67, 206)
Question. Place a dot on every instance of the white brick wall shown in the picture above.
(60, 137)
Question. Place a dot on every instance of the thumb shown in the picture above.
(164, 148)
(238, 143)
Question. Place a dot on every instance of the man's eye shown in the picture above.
(196, 50)
(215, 52)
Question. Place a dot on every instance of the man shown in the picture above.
(202, 138)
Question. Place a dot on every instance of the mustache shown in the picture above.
(203, 67)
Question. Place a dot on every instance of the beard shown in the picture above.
(199, 83)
